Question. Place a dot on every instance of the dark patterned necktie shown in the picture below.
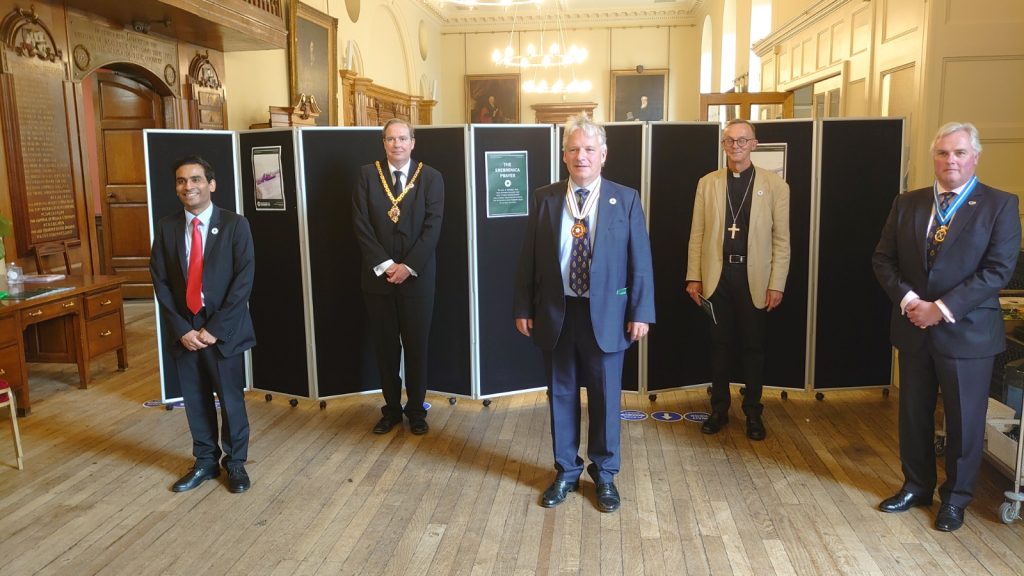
(396, 186)
(933, 246)
(579, 266)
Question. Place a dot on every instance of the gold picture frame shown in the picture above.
(630, 87)
(313, 69)
(492, 98)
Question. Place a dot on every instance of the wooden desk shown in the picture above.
(69, 326)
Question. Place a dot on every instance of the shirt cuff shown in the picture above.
(945, 312)
(910, 297)
(383, 267)
(411, 271)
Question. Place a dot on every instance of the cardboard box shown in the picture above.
(1000, 446)
(1000, 415)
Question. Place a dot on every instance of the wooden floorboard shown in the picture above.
(330, 498)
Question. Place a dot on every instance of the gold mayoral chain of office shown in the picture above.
(580, 214)
(395, 212)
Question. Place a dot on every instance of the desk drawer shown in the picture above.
(10, 366)
(34, 314)
(98, 304)
(9, 330)
(105, 334)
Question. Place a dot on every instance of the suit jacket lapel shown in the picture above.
(179, 243)
(211, 236)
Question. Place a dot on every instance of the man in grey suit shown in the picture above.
(945, 253)
(584, 292)
(203, 267)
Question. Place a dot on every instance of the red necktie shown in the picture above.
(194, 290)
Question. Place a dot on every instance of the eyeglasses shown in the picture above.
(730, 142)
(400, 139)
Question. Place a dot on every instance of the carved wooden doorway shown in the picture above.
(122, 109)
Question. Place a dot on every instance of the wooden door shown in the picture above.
(123, 108)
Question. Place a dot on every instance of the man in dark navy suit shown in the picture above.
(397, 211)
(585, 292)
(203, 267)
(945, 253)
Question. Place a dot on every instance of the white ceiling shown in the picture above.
(590, 10)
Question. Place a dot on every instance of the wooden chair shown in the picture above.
(7, 399)
(49, 249)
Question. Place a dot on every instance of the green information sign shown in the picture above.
(507, 184)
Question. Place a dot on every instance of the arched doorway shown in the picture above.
(124, 102)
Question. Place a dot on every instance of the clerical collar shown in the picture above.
(744, 173)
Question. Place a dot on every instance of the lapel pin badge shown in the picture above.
(760, 192)
(214, 230)
(611, 201)
(971, 202)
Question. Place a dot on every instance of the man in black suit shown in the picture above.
(397, 210)
(203, 266)
(585, 293)
(945, 253)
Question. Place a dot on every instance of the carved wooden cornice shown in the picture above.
(202, 72)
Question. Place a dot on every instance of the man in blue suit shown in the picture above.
(584, 293)
(203, 267)
(945, 253)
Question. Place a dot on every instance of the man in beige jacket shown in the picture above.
(738, 260)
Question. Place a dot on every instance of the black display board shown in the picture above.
(279, 360)
(163, 149)
(509, 362)
(679, 345)
(625, 165)
(857, 190)
(450, 363)
(786, 347)
(331, 158)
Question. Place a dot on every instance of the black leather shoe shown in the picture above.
(714, 422)
(386, 424)
(238, 480)
(755, 428)
(418, 425)
(557, 492)
(195, 477)
(950, 518)
(607, 497)
(904, 501)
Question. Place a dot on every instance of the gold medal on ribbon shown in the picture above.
(578, 229)
(940, 234)
(395, 212)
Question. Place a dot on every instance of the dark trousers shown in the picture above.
(396, 323)
(578, 362)
(965, 384)
(740, 332)
(203, 373)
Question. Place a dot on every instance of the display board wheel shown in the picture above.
(785, 394)
(487, 402)
(940, 446)
(885, 392)
(709, 390)
(452, 400)
(743, 391)
(268, 397)
(1009, 511)
(168, 407)
(293, 402)
(652, 397)
(323, 404)
(819, 396)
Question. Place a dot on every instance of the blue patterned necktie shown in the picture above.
(933, 246)
(579, 266)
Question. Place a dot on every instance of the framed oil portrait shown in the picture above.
(639, 95)
(312, 56)
(492, 98)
